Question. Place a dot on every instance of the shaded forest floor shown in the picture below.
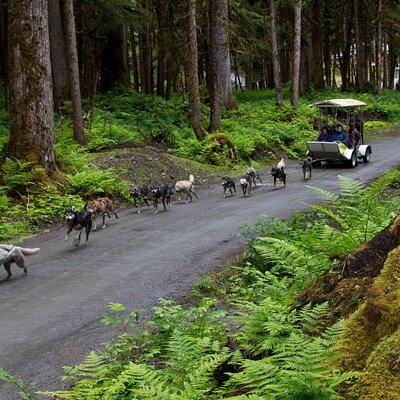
(134, 139)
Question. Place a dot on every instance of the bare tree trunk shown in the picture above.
(384, 62)
(392, 62)
(219, 51)
(31, 92)
(70, 39)
(275, 57)
(316, 42)
(193, 76)
(59, 65)
(345, 60)
(297, 54)
(134, 62)
(4, 47)
(361, 72)
(114, 65)
(146, 61)
(89, 52)
(379, 50)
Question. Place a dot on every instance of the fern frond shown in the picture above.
(324, 194)
(312, 319)
(6, 377)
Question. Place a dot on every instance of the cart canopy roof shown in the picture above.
(339, 103)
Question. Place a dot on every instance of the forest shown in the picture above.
(98, 96)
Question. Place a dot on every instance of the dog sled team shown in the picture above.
(86, 220)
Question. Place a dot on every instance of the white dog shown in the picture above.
(10, 254)
(186, 186)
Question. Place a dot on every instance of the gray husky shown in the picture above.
(10, 254)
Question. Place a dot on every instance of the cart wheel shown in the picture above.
(367, 156)
(353, 160)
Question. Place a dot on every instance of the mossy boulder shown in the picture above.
(377, 317)
(346, 285)
(382, 372)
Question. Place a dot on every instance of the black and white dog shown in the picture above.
(254, 175)
(279, 173)
(164, 192)
(306, 166)
(78, 220)
(228, 184)
(246, 183)
(141, 195)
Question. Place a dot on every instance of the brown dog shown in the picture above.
(103, 206)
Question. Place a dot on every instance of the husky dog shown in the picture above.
(254, 175)
(102, 206)
(279, 173)
(245, 183)
(306, 166)
(186, 186)
(228, 184)
(10, 254)
(140, 195)
(77, 220)
(164, 192)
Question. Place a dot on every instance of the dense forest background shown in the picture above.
(55, 52)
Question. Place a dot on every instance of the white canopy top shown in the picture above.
(339, 103)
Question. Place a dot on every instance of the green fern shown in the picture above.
(23, 391)
(19, 173)
(313, 319)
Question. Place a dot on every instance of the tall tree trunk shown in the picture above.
(361, 71)
(219, 51)
(275, 57)
(72, 51)
(89, 52)
(146, 61)
(161, 72)
(379, 50)
(248, 75)
(296, 54)
(385, 62)
(115, 66)
(392, 61)
(193, 77)
(4, 46)
(328, 51)
(135, 68)
(31, 92)
(59, 65)
(346, 43)
(316, 42)
(305, 78)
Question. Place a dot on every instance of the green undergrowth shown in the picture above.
(240, 334)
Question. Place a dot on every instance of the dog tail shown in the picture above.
(191, 178)
(281, 164)
(29, 252)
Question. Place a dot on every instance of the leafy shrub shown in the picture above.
(49, 203)
(91, 181)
